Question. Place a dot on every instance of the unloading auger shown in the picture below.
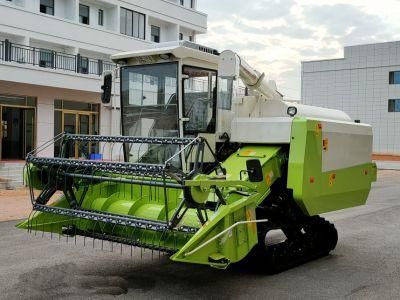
(205, 170)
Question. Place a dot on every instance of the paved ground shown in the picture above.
(14, 204)
(365, 264)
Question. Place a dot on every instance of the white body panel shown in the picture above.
(348, 145)
(275, 130)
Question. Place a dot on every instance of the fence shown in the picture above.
(46, 58)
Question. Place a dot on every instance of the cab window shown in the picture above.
(199, 100)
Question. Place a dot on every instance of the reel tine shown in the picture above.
(74, 226)
(112, 234)
(132, 240)
(30, 221)
(67, 235)
(93, 235)
(102, 229)
(36, 227)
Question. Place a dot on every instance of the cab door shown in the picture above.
(199, 99)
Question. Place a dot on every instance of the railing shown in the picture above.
(46, 58)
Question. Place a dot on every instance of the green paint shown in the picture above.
(317, 192)
(241, 197)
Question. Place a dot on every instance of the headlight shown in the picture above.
(292, 111)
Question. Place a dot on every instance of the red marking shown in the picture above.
(333, 176)
(312, 180)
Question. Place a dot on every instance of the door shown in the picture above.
(28, 130)
(17, 132)
(83, 128)
(69, 125)
(199, 100)
(12, 133)
(77, 123)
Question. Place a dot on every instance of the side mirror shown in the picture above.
(254, 170)
(106, 87)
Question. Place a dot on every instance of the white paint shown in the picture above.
(349, 145)
(274, 130)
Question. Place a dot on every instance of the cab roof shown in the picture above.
(182, 49)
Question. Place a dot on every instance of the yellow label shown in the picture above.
(250, 216)
(269, 177)
(318, 128)
(249, 152)
(332, 178)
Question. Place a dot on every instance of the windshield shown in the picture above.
(150, 108)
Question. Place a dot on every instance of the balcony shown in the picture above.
(46, 58)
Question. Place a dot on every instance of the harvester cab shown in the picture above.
(211, 164)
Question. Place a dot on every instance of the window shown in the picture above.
(47, 7)
(191, 38)
(132, 23)
(101, 17)
(394, 105)
(149, 106)
(182, 2)
(180, 36)
(199, 100)
(155, 34)
(225, 93)
(394, 77)
(83, 14)
(191, 3)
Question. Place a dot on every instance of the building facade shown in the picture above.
(52, 57)
(365, 84)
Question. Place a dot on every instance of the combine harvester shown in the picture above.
(202, 172)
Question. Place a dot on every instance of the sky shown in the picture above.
(274, 36)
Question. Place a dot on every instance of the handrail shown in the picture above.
(47, 58)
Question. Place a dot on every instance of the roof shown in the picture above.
(177, 49)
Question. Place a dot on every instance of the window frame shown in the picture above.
(393, 104)
(393, 75)
(100, 17)
(88, 16)
(214, 114)
(134, 15)
(46, 7)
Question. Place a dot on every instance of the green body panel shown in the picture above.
(236, 243)
(241, 198)
(318, 192)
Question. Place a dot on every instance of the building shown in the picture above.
(365, 84)
(52, 56)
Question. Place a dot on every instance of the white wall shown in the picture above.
(359, 85)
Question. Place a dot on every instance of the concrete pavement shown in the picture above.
(365, 264)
